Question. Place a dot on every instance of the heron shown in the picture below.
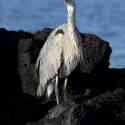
(59, 56)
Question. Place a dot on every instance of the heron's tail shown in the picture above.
(39, 89)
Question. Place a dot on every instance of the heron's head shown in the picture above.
(70, 5)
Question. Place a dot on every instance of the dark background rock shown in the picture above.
(17, 107)
(104, 103)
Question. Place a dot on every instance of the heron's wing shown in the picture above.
(51, 44)
(49, 60)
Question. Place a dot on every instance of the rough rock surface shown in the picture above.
(93, 97)
(103, 109)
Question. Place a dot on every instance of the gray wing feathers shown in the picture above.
(49, 60)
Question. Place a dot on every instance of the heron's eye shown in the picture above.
(59, 31)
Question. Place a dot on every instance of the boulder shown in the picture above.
(103, 109)
(95, 93)
(96, 54)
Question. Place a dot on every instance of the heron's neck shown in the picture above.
(71, 19)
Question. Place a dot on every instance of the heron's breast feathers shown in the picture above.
(70, 50)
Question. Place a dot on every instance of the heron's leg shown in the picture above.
(65, 84)
(64, 87)
(57, 90)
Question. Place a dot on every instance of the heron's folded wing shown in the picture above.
(49, 60)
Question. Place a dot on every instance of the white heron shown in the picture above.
(60, 55)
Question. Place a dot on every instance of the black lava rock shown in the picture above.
(95, 92)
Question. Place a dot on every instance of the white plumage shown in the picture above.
(59, 56)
